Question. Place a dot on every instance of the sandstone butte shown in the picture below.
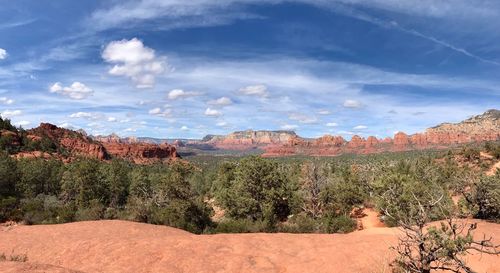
(77, 143)
(485, 127)
(120, 246)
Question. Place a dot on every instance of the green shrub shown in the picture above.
(43, 209)
(94, 211)
(301, 223)
(240, 226)
(485, 198)
(339, 224)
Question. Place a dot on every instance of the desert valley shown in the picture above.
(228, 136)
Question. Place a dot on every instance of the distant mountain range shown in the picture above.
(484, 127)
(480, 128)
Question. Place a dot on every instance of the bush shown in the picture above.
(404, 187)
(301, 223)
(255, 188)
(94, 211)
(239, 226)
(339, 224)
(43, 209)
(485, 198)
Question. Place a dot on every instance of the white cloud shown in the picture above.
(289, 127)
(255, 90)
(184, 128)
(11, 113)
(76, 90)
(221, 124)
(134, 60)
(332, 124)
(3, 53)
(360, 127)
(222, 101)
(180, 94)
(5, 100)
(155, 111)
(81, 115)
(324, 112)
(22, 123)
(161, 113)
(67, 126)
(212, 112)
(352, 104)
(302, 118)
(112, 119)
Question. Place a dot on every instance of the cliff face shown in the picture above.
(139, 152)
(485, 127)
(79, 144)
(244, 140)
(76, 143)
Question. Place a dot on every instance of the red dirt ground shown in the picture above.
(120, 246)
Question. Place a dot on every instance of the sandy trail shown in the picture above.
(119, 246)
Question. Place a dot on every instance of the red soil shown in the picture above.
(119, 246)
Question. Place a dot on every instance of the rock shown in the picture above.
(485, 127)
(356, 142)
(103, 148)
(76, 143)
(249, 139)
(141, 153)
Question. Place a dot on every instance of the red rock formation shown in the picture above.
(75, 143)
(371, 141)
(245, 140)
(141, 153)
(485, 127)
(329, 140)
(356, 142)
(401, 139)
(78, 144)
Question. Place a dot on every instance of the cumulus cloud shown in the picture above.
(302, 118)
(81, 115)
(360, 127)
(11, 113)
(112, 119)
(222, 101)
(134, 60)
(88, 115)
(76, 90)
(67, 126)
(3, 53)
(324, 112)
(221, 124)
(212, 112)
(4, 100)
(255, 90)
(352, 104)
(181, 94)
(184, 128)
(22, 123)
(161, 112)
(289, 127)
(332, 124)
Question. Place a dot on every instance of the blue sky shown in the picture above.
(176, 68)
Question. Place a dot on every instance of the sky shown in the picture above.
(184, 69)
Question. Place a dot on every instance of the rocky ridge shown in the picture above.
(72, 144)
(485, 127)
(136, 151)
(249, 139)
